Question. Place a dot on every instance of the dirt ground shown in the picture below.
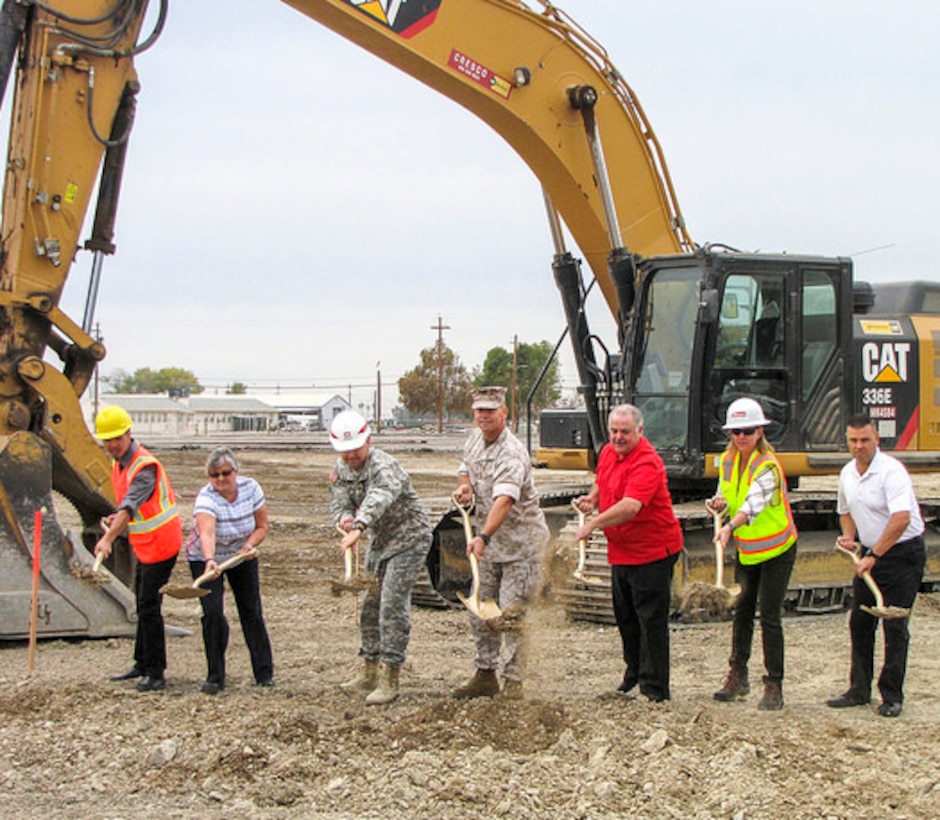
(73, 744)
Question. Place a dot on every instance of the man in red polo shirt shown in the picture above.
(643, 543)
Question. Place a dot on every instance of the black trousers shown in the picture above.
(765, 584)
(150, 646)
(641, 597)
(246, 588)
(898, 574)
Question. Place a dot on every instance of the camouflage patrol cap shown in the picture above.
(489, 398)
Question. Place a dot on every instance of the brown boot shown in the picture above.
(773, 696)
(366, 680)
(512, 690)
(735, 685)
(387, 690)
(483, 684)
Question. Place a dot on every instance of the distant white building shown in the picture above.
(206, 414)
(230, 413)
(151, 414)
(157, 414)
(306, 409)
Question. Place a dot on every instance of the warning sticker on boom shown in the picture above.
(402, 17)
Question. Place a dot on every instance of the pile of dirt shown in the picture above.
(74, 744)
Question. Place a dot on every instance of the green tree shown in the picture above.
(145, 380)
(530, 359)
(419, 387)
(237, 389)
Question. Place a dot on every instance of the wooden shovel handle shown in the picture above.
(866, 577)
(234, 561)
(719, 550)
(474, 596)
(582, 542)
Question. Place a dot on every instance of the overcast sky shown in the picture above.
(295, 211)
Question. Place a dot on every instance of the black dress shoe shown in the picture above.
(847, 699)
(151, 684)
(134, 672)
(266, 682)
(627, 683)
(889, 709)
(212, 687)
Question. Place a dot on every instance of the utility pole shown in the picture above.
(514, 424)
(440, 327)
(378, 397)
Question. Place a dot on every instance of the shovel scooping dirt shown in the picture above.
(579, 573)
(880, 609)
(354, 580)
(703, 601)
(95, 575)
(195, 589)
(487, 610)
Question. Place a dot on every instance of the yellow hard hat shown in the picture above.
(112, 422)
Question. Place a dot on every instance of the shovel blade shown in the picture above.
(887, 612)
(90, 576)
(184, 592)
(353, 585)
(486, 610)
(470, 603)
(489, 610)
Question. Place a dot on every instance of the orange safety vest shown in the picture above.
(773, 532)
(156, 532)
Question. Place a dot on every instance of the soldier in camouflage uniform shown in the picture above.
(511, 537)
(369, 491)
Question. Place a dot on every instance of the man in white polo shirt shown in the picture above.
(877, 507)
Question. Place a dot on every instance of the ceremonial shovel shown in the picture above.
(487, 610)
(879, 610)
(195, 590)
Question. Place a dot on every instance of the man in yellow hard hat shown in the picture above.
(147, 512)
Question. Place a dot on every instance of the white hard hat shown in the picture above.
(745, 414)
(349, 431)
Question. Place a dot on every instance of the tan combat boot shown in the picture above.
(366, 680)
(735, 685)
(483, 684)
(773, 696)
(512, 690)
(387, 689)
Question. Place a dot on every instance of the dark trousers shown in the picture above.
(150, 646)
(764, 584)
(246, 588)
(898, 574)
(641, 595)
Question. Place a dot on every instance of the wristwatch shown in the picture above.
(359, 525)
(485, 538)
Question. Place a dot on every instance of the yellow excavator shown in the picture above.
(695, 323)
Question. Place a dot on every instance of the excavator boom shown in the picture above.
(521, 72)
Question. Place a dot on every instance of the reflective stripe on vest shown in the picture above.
(773, 532)
(155, 532)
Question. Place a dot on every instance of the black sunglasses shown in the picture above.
(739, 432)
(221, 474)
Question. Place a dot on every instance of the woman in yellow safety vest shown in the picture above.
(753, 490)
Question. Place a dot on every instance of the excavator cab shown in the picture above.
(713, 327)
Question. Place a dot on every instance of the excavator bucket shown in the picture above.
(67, 605)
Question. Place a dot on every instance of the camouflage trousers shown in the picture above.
(511, 584)
(385, 619)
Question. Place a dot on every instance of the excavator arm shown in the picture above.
(73, 92)
(530, 73)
